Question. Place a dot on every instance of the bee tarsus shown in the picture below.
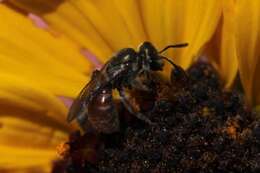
(130, 108)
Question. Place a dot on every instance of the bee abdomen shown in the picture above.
(102, 114)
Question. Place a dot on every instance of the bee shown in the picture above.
(94, 108)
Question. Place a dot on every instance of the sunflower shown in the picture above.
(48, 49)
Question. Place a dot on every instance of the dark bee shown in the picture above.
(94, 108)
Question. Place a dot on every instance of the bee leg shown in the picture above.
(138, 82)
(130, 108)
(139, 85)
(179, 77)
(178, 74)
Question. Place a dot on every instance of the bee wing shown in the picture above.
(116, 68)
(79, 106)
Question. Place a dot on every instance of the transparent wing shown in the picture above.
(79, 105)
(113, 70)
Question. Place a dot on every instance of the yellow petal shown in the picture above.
(16, 132)
(173, 21)
(132, 16)
(101, 26)
(105, 17)
(24, 160)
(21, 100)
(35, 55)
(69, 18)
(248, 43)
(32, 124)
(221, 49)
(106, 26)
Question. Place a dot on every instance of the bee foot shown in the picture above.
(144, 118)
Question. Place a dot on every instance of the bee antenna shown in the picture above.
(169, 61)
(174, 46)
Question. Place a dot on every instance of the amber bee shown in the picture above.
(94, 107)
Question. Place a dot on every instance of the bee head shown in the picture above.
(151, 56)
